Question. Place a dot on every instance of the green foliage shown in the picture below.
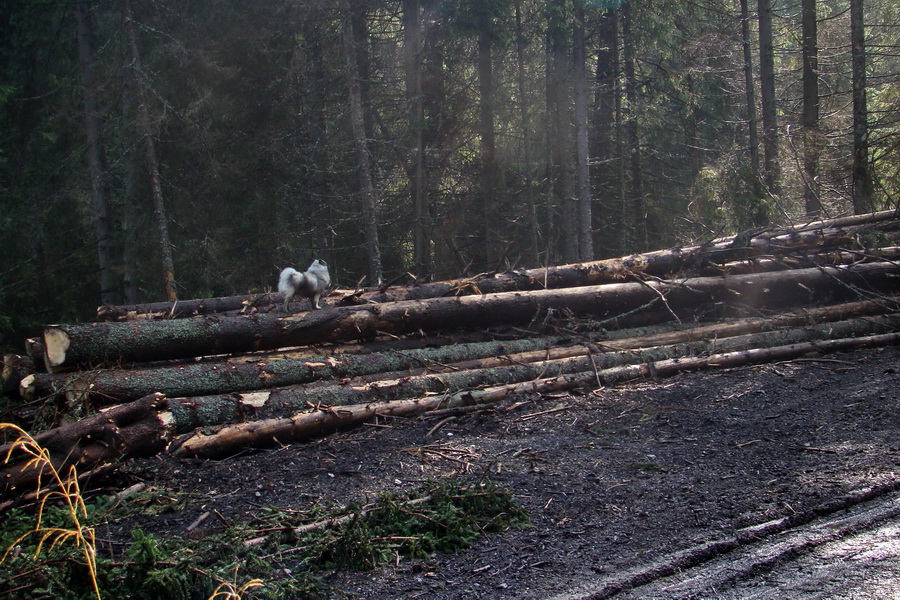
(449, 517)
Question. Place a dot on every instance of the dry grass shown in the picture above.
(67, 491)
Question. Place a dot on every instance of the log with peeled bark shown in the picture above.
(107, 386)
(139, 428)
(308, 425)
(814, 236)
(614, 305)
(203, 411)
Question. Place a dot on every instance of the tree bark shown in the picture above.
(104, 386)
(772, 170)
(582, 169)
(534, 229)
(204, 411)
(412, 56)
(812, 237)
(560, 127)
(615, 305)
(603, 139)
(810, 57)
(96, 162)
(757, 216)
(15, 369)
(308, 425)
(135, 429)
(110, 386)
(146, 132)
(640, 215)
(487, 216)
(863, 187)
(357, 121)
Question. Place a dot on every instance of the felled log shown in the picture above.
(203, 411)
(15, 368)
(619, 305)
(307, 425)
(248, 303)
(138, 428)
(763, 263)
(830, 233)
(110, 386)
(143, 427)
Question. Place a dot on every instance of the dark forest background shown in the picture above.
(154, 148)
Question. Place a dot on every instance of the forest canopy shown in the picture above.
(154, 148)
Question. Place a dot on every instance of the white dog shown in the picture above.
(311, 284)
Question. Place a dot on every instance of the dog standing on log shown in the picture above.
(311, 284)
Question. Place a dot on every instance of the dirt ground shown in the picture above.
(616, 482)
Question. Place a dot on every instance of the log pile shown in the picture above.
(207, 378)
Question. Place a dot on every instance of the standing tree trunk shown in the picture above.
(487, 250)
(639, 205)
(559, 126)
(862, 169)
(810, 109)
(756, 213)
(367, 190)
(534, 245)
(603, 134)
(96, 162)
(146, 131)
(412, 48)
(772, 171)
(583, 173)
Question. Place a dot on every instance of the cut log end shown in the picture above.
(56, 345)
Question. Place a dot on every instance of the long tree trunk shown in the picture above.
(102, 387)
(146, 132)
(810, 52)
(559, 127)
(603, 138)
(862, 169)
(357, 121)
(487, 225)
(808, 238)
(96, 162)
(68, 345)
(757, 213)
(415, 106)
(772, 169)
(583, 172)
(639, 211)
(534, 230)
(307, 425)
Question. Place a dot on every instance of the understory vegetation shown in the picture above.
(277, 554)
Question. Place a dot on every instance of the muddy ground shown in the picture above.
(613, 480)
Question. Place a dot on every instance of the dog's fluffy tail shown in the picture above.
(289, 281)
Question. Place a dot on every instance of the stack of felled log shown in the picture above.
(210, 377)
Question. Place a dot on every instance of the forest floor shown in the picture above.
(743, 471)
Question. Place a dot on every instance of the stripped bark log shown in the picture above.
(308, 425)
(619, 305)
(139, 428)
